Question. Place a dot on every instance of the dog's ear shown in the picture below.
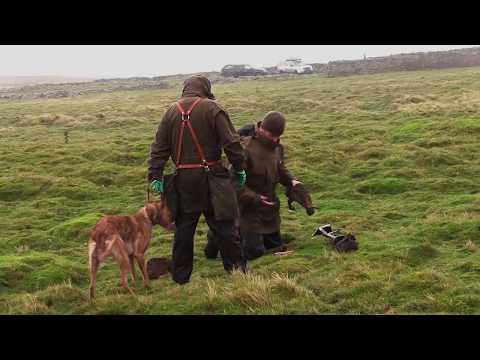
(164, 216)
(148, 210)
(152, 211)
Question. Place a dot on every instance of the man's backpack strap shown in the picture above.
(186, 122)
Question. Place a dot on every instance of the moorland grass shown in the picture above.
(389, 157)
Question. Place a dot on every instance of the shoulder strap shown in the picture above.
(187, 114)
(197, 143)
(186, 121)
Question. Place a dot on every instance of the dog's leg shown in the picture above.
(132, 268)
(93, 278)
(94, 264)
(143, 267)
(121, 256)
(125, 269)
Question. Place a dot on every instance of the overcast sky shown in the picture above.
(152, 60)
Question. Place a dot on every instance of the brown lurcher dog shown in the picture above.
(126, 238)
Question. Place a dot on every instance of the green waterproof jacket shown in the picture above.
(265, 169)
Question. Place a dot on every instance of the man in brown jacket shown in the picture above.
(212, 132)
(259, 204)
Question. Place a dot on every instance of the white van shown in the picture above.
(294, 66)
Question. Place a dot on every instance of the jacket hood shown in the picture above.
(197, 85)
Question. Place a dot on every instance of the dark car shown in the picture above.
(242, 70)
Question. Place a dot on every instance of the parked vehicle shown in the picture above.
(242, 70)
(294, 66)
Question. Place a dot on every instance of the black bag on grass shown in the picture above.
(157, 267)
(342, 242)
(345, 243)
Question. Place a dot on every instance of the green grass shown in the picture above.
(392, 158)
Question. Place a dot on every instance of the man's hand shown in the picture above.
(157, 185)
(296, 182)
(241, 177)
(265, 201)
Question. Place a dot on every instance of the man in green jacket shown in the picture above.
(259, 205)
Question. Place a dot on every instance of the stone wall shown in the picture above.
(402, 62)
(320, 68)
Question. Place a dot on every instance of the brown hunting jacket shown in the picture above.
(215, 132)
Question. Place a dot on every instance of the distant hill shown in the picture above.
(19, 81)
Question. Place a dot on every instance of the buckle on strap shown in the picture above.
(189, 111)
(205, 166)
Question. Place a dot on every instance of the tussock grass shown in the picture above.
(389, 157)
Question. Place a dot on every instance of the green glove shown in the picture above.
(241, 177)
(157, 185)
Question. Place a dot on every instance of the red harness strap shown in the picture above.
(186, 121)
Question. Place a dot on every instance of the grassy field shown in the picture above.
(392, 158)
